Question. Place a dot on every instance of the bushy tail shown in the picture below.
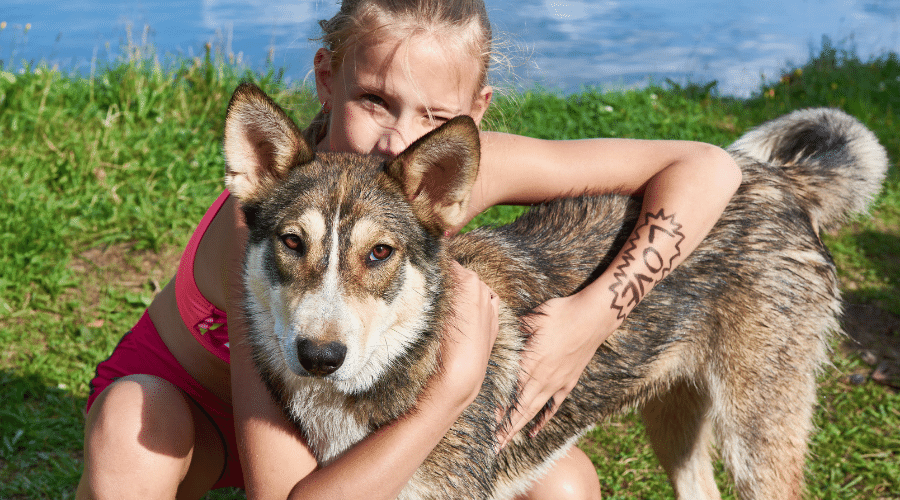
(835, 163)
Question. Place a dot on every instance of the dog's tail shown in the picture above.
(835, 163)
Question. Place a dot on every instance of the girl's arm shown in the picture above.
(275, 459)
(685, 188)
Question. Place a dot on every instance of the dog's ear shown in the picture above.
(437, 172)
(262, 144)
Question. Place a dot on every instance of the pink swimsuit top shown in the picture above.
(206, 322)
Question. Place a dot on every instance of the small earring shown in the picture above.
(326, 107)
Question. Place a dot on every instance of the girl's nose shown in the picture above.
(394, 140)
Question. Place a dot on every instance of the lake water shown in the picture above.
(558, 44)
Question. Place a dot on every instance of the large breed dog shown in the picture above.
(346, 273)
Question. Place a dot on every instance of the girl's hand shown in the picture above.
(469, 336)
(566, 334)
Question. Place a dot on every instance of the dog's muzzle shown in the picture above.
(320, 359)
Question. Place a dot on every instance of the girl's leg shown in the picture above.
(145, 439)
(572, 477)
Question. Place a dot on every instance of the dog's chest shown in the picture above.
(328, 423)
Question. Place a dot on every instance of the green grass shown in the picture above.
(103, 179)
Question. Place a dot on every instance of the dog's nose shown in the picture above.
(320, 359)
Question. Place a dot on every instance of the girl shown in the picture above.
(175, 411)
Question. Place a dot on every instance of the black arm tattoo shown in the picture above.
(631, 286)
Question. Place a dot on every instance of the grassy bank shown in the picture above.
(102, 179)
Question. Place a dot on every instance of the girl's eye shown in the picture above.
(373, 99)
(379, 253)
(294, 242)
(434, 121)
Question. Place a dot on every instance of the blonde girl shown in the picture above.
(179, 409)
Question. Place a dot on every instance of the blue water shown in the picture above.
(554, 43)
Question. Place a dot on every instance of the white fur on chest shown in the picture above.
(329, 428)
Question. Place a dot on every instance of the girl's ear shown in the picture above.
(324, 77)
(481, 103)
(436, 173)
(262, 144)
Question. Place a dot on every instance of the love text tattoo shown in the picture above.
(641, 270)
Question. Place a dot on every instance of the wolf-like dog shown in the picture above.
(346, 272)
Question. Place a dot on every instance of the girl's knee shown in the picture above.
(144, 411)
(138, 440)
(572, 477)
(144, 438)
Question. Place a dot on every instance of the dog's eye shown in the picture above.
(293, 242)
(379, 253)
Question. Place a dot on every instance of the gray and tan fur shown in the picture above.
(347, 279)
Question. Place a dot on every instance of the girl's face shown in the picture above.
(387, 94)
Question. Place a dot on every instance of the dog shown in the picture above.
(346, 273)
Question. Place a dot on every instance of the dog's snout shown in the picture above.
(320, 359)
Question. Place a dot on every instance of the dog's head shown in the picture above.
(344, 261)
